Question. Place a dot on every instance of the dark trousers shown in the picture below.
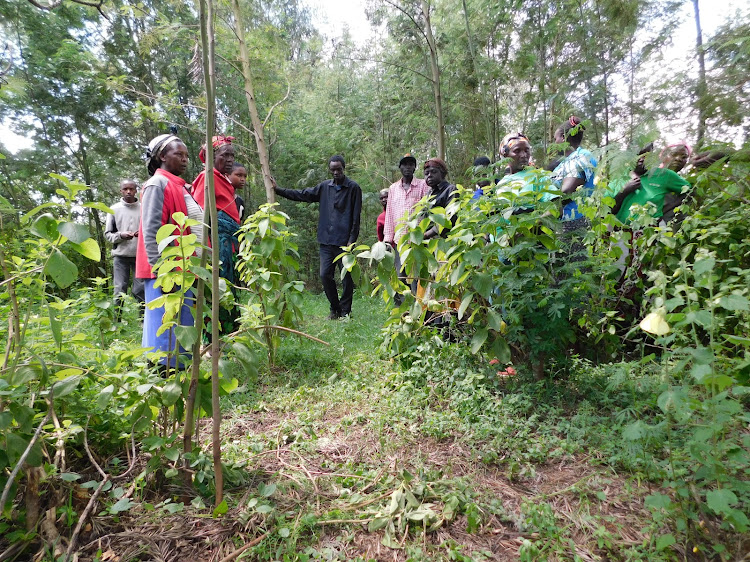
(328, 269)
(123, 270)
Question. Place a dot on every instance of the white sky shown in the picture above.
(331, 16)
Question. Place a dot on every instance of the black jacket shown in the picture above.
(340, 209)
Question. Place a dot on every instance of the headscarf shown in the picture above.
(509, 140)
(154, 150)
(436, 163)
(674, 145)
(216, 142)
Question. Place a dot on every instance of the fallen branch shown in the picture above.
(84, 516)
(239, 551)
(22, 460)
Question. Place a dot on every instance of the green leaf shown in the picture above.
(70, 476)
(45, 226)
(478, 340)
(99, 207)
(658, 501)
(123, 504)
(720, 501)
(266, 490)
(483, 284)
(734, 302)
(187, 335)
(88, 249)
(24, 374)
(67, 385)
(465, 302)
(501, 350)
(62, 271)
(171, 393)
(73, 231)
(104, 396)
(704, 266)
(665, 541)
(284, 532)
(221, 509)
(55, 325)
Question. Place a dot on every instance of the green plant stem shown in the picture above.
(22, 460)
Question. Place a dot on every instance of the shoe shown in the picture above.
(346, 315)
(334, 315)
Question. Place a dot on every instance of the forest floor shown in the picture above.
(333, 455)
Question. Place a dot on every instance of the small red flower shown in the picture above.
(494, 362)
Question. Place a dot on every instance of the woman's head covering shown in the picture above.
(509, 140)
(667, 149)
(216, 142)
(154, 150)
(436, 163)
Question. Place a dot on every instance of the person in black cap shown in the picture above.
(338, 225)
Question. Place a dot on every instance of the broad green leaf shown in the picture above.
(70, 476)
(88, 249)
(704, 266)
(478, 340)
(104, 396)
(378, 250)
(266, 490)
(665, 541)
(734, 302)
(221, 509)
(73, 231)
(45, 226)
(658, 501)
(284, 532)
(62, 271)
(501, 350)
(171, 393)
(187, 335)
(483, 284)
(68, 384)
(123, 504)
(24, 374)
(721, 501)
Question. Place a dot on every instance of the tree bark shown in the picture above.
(209, 74)
(435, 68)
(260, 141)
(702, 87)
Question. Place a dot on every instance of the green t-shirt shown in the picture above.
(654, 186)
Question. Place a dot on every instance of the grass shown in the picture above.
(338, 453)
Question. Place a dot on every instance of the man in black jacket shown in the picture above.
(338, 225)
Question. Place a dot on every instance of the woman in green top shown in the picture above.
(651, 188)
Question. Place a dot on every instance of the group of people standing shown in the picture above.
(133, 227)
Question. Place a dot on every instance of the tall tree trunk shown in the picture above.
(480, 86)
(435, 78)
(702, 87)
(209, 74)
(260, 141)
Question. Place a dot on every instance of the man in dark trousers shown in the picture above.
(122, 233)
(338, 225)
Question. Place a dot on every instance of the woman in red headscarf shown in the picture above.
(228, 215)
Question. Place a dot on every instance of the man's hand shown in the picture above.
(631, 187)
(126, 235)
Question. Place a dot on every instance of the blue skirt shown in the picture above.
(152, 321)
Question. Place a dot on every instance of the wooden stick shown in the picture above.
(84, 516)
(21, 461)
(239, 551)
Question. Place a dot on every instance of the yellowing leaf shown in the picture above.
(655, 323)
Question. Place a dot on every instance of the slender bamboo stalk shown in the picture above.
(209, 73)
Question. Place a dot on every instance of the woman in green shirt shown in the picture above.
(651, 188)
